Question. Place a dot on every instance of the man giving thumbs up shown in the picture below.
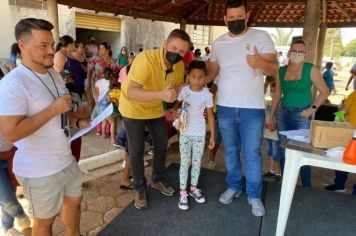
(153, 78)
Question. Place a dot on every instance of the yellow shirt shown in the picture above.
(149, 70)
(350, 104)
(114, 95)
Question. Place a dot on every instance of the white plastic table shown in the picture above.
(297, 155)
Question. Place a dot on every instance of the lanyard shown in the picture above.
(54, 97)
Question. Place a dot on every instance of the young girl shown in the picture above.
(102, 89)
(195, 100)
(271, 137)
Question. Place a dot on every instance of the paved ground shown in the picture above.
(103, 199)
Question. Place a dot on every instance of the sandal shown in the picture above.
(125, 187)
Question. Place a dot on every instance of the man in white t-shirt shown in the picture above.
(240, 57)
(30, 111)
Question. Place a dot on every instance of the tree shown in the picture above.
(282, 37)
(350, 49)
(333, 45)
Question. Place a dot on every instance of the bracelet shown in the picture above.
(77, 123)
(314, 107)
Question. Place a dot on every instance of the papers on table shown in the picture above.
(102, 116)
(301, 135)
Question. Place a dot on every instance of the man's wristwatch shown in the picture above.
(314, 107)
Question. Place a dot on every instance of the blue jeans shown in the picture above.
(273, 149)
(290, 119)
(10, 207)
(242, 128)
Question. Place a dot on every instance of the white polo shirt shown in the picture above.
(239, 85)
(46, 151)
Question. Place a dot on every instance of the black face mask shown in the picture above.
(92, 41)
(70, 87)
(236, 26)
(173, 57)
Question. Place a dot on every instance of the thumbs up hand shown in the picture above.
(256, 60)
(169, 94)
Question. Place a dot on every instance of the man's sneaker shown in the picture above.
(183, 202)
(197, 195)
(257, 207)
(227, 196)
(23, 222)
(140, 199)
(118, 145)
(12, 232)
(163, 187)
(335, 188)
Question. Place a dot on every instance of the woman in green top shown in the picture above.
(122, 59)
(294, 95)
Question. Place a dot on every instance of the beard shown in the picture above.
(46, 63)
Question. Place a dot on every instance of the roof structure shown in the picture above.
(264, 13)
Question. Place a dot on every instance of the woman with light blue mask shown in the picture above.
(294, 94)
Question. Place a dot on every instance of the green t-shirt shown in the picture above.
(122, 60)
(296, 93)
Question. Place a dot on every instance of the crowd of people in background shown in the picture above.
(156, 93)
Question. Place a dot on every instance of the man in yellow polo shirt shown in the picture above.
(153, 78)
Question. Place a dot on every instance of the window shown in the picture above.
(37, 4)
(200, 34)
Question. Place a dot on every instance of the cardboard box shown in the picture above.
(326, 134)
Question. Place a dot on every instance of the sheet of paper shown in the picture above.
(301, 135)
(102, 116)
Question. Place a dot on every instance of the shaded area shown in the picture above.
(163, 217)
(313, 212)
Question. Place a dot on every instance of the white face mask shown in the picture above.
(296, 58)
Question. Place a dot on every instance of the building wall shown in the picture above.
(9, 16)
(113, 38)
(133, 31)
(218, 31)
(148, 33)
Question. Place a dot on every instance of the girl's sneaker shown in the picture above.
(197, 195)
(183, 202)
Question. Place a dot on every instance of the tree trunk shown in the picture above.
(320, 46)
(311, 28)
